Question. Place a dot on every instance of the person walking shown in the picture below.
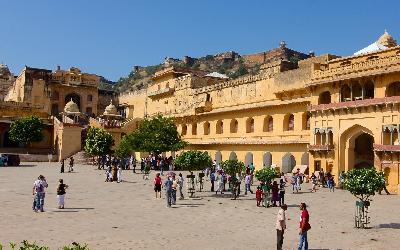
(212, 180)
(119, 174)
(294, 182)
(39, 192)
(275, 193)
(168, 191)
(331, 183)
(321, 178)
(258, 196)
(280, 226)
(62, 166)
(71, 164)
(304, 227)
(314, 182)
(157, 185)
(247, 182)
(133, 163)
(174, 189)
(220, 183)
(180, 185)
(61, 193)
(281, 192)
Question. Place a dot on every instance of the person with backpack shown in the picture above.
(38, 191)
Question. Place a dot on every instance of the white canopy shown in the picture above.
(217, 75)
(376, 46)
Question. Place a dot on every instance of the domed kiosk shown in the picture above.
(71, 113)
(111, 118)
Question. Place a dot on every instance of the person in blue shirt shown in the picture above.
(168, 191)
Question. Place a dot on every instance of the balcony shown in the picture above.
(320, 147)
(355, 104)
(161, 92)
(386, 148)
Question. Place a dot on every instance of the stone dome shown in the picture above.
(111, 110)
(387, 40)
(4, 70)
(71, 107)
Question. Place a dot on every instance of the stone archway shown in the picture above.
(267, 159)
(218, 157)
(305, 159)
(75, 98)
(233, 156)
(356, 148)
(288, 163)
(248, 159)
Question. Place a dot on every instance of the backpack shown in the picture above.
(39, 188)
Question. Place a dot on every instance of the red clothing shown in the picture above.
(157, 180)
(304, 221)
(258, 194)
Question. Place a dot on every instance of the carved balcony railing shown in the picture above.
(320, 147)
(386, 148)
(341, 68)
(355, 104)
(161, 92)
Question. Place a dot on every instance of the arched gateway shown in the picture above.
(356, 148)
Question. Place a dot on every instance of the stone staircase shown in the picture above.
(82, 158)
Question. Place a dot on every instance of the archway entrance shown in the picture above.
(218, 157)
(363, 151)
(75, 98)
(248, 159)
(233, 156)
(288, 163)
(267, 159)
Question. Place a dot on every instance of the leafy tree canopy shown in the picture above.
(124, 149)
(364, 182)
(266, 175)
(193, 160)
(27, 130)
(158, 134)
(233, 167)
(98, 142)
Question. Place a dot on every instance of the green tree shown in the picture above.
(98, 142)
(27, 130)
(266, 175)
(233, 167)
(158, 134)
(364, 182)
(124, 149)
(193, 160)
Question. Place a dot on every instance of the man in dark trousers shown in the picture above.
(280, 226)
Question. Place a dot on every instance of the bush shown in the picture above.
(98, 142)
(27, 130)
(233, 167)
(193, 160)
(266, 175)
(364, 182)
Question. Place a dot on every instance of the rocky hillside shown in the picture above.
(229, 63)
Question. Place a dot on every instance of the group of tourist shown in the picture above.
(39, 192)
(171, 185)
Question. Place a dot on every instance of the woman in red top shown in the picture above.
(157, 184)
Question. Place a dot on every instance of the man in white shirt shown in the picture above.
(280, 226)
(39, 191)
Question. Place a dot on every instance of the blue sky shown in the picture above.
(110, 37)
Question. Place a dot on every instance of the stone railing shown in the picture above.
(345, 66)
(160, 92)
(320, 147)
(354, 104)
(386, 148)
(235, 82)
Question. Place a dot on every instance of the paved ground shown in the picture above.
(127, 216)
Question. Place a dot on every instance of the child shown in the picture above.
(119, 174)
(266, 194)
(157, 185)
(258, 195)
(61, 193)
(146, 172)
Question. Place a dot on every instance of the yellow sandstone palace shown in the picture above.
(324, 112)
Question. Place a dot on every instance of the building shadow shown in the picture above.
(390, 225)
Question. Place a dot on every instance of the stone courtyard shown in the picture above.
(127, 215)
